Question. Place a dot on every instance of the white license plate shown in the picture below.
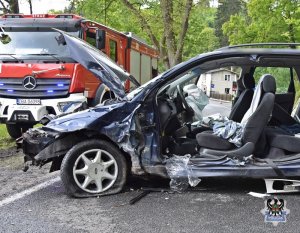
(28, 101)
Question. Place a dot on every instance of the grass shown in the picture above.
(5, 140)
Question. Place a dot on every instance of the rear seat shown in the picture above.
(281, 139)
(281, 117)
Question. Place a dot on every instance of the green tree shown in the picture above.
(266, 21)
(201, 32)
(163, 23)
(9, 6)
(173, 18)
(225, 9)
(146, 20)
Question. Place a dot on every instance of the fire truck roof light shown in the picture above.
(64, 16)
(13, 16)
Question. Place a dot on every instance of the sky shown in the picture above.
(42, 6)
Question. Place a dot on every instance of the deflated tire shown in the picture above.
(93, 168)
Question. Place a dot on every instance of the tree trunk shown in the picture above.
(14, 6)
(4, 7)
(167, 9)
(184, 28)
(170, 49)
(30, 6)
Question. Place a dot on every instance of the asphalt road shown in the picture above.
(217, 106)
(215, 205)
(219, 205)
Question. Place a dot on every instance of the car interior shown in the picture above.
(271, 128)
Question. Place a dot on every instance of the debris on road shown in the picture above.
(286, 186)
(145, 192)
(259, 195)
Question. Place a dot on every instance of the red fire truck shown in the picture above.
(37, 77)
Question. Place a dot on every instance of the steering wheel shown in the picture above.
(183, 101)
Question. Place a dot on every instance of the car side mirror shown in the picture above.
(100, 39)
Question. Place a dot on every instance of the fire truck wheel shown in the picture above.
(93, 167)
(15, 130)
(101, 95)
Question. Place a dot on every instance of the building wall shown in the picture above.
(214, 82)
(219, 83)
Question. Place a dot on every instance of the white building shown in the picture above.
(220, 81)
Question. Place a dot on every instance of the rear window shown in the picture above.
(281, 74)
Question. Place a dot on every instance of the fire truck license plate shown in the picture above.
(28, 101)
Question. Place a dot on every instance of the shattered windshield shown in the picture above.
(32, 42)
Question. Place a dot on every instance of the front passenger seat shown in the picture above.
(244, 100)
(255, 120)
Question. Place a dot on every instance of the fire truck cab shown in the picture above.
(37, 77)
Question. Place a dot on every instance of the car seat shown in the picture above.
(255, 121)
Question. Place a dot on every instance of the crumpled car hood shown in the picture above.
(98, 63)
(80, 120)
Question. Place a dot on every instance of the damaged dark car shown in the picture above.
(159, 128)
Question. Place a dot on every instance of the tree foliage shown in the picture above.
(178, 29)
(201, 33)
(265, 21)
(225, 9)
(9, 6)
(173, 16)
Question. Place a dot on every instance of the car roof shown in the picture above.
(238, 50)
(263, 48)
(40, 22)
(259, 51)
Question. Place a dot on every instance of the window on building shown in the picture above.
(227, 77)
(113, 52)
(227, 90)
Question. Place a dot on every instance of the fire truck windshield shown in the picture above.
(29, 42)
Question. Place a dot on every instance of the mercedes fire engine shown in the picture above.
(37, 77)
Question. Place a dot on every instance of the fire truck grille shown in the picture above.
(44, 88)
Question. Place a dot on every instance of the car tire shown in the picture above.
(83, 174)
(102, 94)
(15, 130)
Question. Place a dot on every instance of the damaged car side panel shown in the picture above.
(129, 131)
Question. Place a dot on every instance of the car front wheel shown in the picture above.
(93, 167)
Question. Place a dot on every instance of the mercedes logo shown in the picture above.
(29, 82)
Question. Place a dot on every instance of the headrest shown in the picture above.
(268, 83)
(265, 84)
(248, 81)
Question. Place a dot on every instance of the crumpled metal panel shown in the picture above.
(128, 137)
(98, 63)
